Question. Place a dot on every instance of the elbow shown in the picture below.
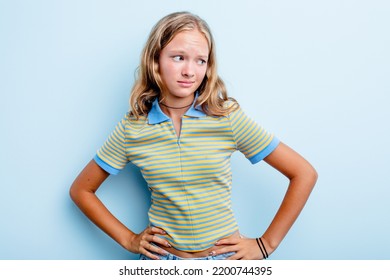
(312, 175)
(315, 175)
(79, 192)
(307, 175)
(72, 192)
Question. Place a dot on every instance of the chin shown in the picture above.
(183, 94)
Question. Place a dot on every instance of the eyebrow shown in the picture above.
(183, 52)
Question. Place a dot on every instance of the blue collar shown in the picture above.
(156, 115)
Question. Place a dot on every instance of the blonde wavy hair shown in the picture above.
(148, 85)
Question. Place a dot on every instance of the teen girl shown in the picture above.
(181, 131)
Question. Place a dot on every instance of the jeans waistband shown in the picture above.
(170, 256)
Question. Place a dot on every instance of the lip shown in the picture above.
(185, 84)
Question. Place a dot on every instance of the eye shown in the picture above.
(202, 61)
(177, 58)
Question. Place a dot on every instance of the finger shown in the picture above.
(156, 230)
(151, 249)
(147, 250)
(228, 241)
(236, 256)
(150, 255)
(158, 240)
(224, 250)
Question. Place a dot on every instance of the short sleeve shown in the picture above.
(251, 139)
(112, 155)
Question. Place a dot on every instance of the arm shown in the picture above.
(83, 194)
(302, 177)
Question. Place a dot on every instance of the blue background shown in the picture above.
(316, 73)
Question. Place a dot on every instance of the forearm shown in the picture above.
(83, 194)
(295, 199)
(97, 212)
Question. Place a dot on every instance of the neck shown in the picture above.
(176, 108)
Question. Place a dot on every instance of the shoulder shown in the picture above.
(232, 107)
(231, 104)
(130, 123)
(229, 107)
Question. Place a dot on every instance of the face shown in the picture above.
(183, 65)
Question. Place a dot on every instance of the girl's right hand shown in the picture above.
(142, 243)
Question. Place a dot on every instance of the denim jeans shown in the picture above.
(170, 256)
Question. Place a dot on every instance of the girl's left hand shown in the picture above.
(245, 248)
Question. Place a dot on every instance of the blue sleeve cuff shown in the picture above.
(105, 166)
(264, 153)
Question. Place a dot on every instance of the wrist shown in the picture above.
(269, 244)
(127, 241)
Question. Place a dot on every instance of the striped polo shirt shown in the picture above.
(190, 176)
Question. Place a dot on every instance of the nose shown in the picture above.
(188, 70)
